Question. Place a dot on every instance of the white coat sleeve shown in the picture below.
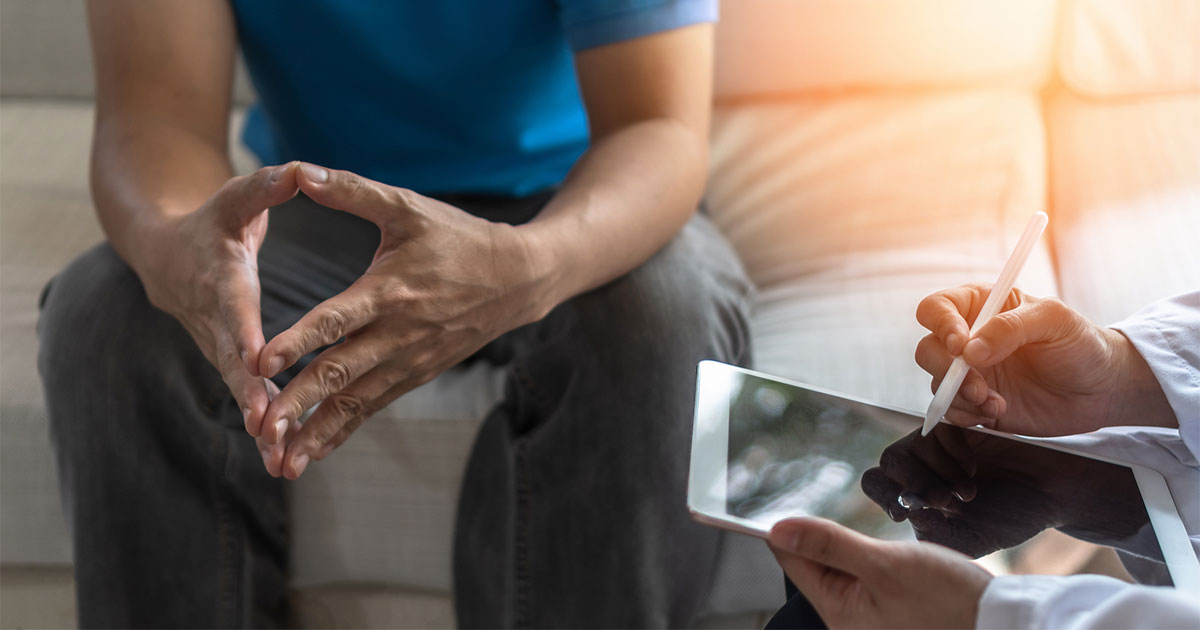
(1082, 601)
(1167, 335)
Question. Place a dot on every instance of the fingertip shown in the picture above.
(249, 355)
(977, 351)
(960, 418)
(993, 406)
(783, 535)
(976, 390)
(255, 407)
(965, 491)
(313, 174)
(269, 363)
(954, 343)
(296, 466)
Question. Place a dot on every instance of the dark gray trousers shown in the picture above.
(572, 511)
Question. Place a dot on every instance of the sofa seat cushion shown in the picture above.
(1124, 47)
(45, 220)
(848, 211)
(381, 508)
(1126, 196)
(773, 47)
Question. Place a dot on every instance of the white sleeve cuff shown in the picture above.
(1082, 601)
(1167, 335)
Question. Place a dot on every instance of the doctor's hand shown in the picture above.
(1038, 367)
(855, 581)
(443, 283)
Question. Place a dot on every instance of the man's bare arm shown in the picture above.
(161, 177)
(648, 102)
(164, 73)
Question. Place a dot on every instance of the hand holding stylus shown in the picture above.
(1037, 368)
(1004, 284)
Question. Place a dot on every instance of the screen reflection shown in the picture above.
(979, 493)
(794, 452)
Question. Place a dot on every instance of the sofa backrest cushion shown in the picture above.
(772, 47)
(45, 52)
(1127, 47)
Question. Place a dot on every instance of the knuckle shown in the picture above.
(1007, 324)
(400, 197)
(294, 408)
(1054, 307)
(978, 287)
(354, 186)
(388, 297)
(331, 325)
(238, 182)
(333, 374)
(346, 406)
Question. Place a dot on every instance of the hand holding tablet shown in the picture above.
(765, 449)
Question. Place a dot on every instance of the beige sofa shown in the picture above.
(864, 154)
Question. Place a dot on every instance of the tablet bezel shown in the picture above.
(710, 458)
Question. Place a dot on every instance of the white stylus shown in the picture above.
(995, 299)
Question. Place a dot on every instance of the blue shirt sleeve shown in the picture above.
(591, 23)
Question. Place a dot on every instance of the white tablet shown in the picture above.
(765, 449)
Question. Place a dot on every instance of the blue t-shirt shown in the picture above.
(434, 95)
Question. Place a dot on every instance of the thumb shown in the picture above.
(827, 544)
(1034, 321)
(246, 196)
(350, 192)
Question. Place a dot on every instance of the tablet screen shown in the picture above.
(793, 451)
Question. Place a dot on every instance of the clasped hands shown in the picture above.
(442, 284)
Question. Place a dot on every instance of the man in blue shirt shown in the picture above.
(510, 181)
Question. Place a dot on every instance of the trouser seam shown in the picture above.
(523, 578)
(228, 544)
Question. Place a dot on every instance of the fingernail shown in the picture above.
(977, 350)
(274, 366)
(786, 537)
(911, 501)
(300, 463)
(266, 457)
(991, 407)
(315, 173)
(281, 428)
(325, 451)
(245, 357)
(246, 415)
(952, 341)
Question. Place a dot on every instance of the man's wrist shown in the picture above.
(1140, 399)
(541, 273)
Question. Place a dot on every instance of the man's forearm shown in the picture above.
(145, 171)
(626, 198)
